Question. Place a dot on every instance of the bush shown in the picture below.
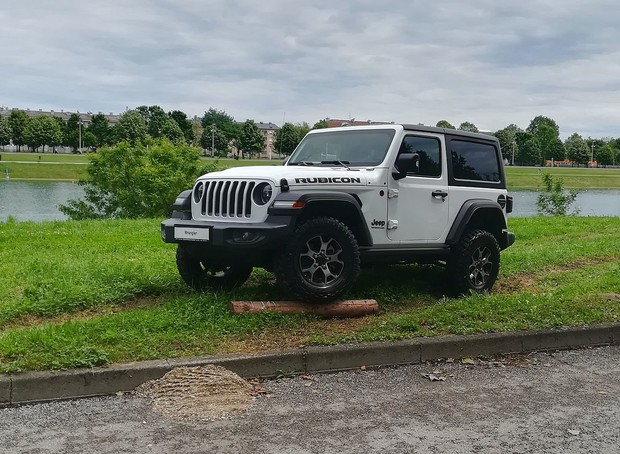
(134, 181)
(553, 200)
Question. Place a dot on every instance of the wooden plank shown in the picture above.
(346, 308)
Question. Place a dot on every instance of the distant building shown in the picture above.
(268, 130)
(64, 115)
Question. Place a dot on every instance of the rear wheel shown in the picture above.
(320, 262)
(203, 275)
(474, 262)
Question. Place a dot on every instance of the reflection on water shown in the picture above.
(39, 200)
(36, 200)
(589, 203)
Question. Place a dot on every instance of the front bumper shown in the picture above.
(227, 234)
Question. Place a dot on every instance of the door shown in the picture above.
(418, 204)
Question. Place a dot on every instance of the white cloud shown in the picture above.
(480, 61)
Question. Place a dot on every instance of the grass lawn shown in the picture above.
(573, 177)
(84, 293)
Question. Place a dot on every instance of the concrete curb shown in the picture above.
(32, 387)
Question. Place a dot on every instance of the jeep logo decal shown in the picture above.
(328, 180)
(377, 224)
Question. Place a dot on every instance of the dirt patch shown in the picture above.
(202, 392)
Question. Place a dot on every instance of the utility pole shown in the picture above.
(513, 152)
(80, 136)
(592, 154)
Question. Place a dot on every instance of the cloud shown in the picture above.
(410, 61)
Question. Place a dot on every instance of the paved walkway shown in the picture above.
(563, 402)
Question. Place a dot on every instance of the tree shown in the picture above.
(130, 128)
(215, 141)
(5, 132)
(157, 119)
(251, 140)
(71, 137)
(556, 150)
(286, 139)
(467, 126)
(172, 131)
(126, 181)
(222, 121)
(321, 124)
(507, 141)
(100, 128)
(41, 131)
(547, 132)
(528, 150)
(605, 155)
(444, 124)
(577, 149)
(18, 119)
(184, 124)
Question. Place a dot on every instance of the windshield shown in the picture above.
(345, 148)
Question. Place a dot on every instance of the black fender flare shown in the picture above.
(310, 200)
(466, 213)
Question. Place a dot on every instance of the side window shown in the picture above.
(429, 150)
(474, 161)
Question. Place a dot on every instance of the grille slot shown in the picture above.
(227, 199)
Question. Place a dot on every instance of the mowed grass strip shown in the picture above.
(78, 294)
(525, 178)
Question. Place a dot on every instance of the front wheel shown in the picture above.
(474, 262)
(203, 275)
(320, 262)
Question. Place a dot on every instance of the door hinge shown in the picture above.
(392, 193)
(392, 224)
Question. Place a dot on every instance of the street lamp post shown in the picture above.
(212, 140)
(80, 123)
(592, 154)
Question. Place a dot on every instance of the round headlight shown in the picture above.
(199, 189)
(262, 193)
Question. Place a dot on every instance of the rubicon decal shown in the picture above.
(328, 180)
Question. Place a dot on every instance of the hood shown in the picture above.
(293, 174)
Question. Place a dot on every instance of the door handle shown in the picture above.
(439, 193)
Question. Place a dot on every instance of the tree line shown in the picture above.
(218, 134)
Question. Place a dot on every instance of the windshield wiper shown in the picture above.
(340, 163)
(301, 163)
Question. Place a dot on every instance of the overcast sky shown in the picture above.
(484, 61)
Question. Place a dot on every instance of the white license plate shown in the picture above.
(191, 233)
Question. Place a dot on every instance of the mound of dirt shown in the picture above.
(202, 392)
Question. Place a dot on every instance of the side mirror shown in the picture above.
(405, 163)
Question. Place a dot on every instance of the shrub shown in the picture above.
(134, 181)
(553, 200)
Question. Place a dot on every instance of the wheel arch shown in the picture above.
(344, 207)
(479, 214)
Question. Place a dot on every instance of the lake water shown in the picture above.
(36, 200)
(39, 200)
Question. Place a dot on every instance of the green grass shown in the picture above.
(42, 171)
(44, 157)
(523, 178)
(78, 294)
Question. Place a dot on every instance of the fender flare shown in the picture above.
(309, 200)
(467, 212)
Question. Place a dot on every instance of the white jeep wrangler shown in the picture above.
(345, 197)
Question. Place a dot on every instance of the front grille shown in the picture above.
(227, 199)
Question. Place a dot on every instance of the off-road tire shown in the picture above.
(203, 275)
(474, 262)
(320, 262)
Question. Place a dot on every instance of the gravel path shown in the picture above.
(565, 402)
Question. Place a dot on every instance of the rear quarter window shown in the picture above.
(475, 161)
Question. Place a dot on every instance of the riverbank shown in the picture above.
(78, 294)
(48, 166)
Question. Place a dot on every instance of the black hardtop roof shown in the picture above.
(454, 132)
